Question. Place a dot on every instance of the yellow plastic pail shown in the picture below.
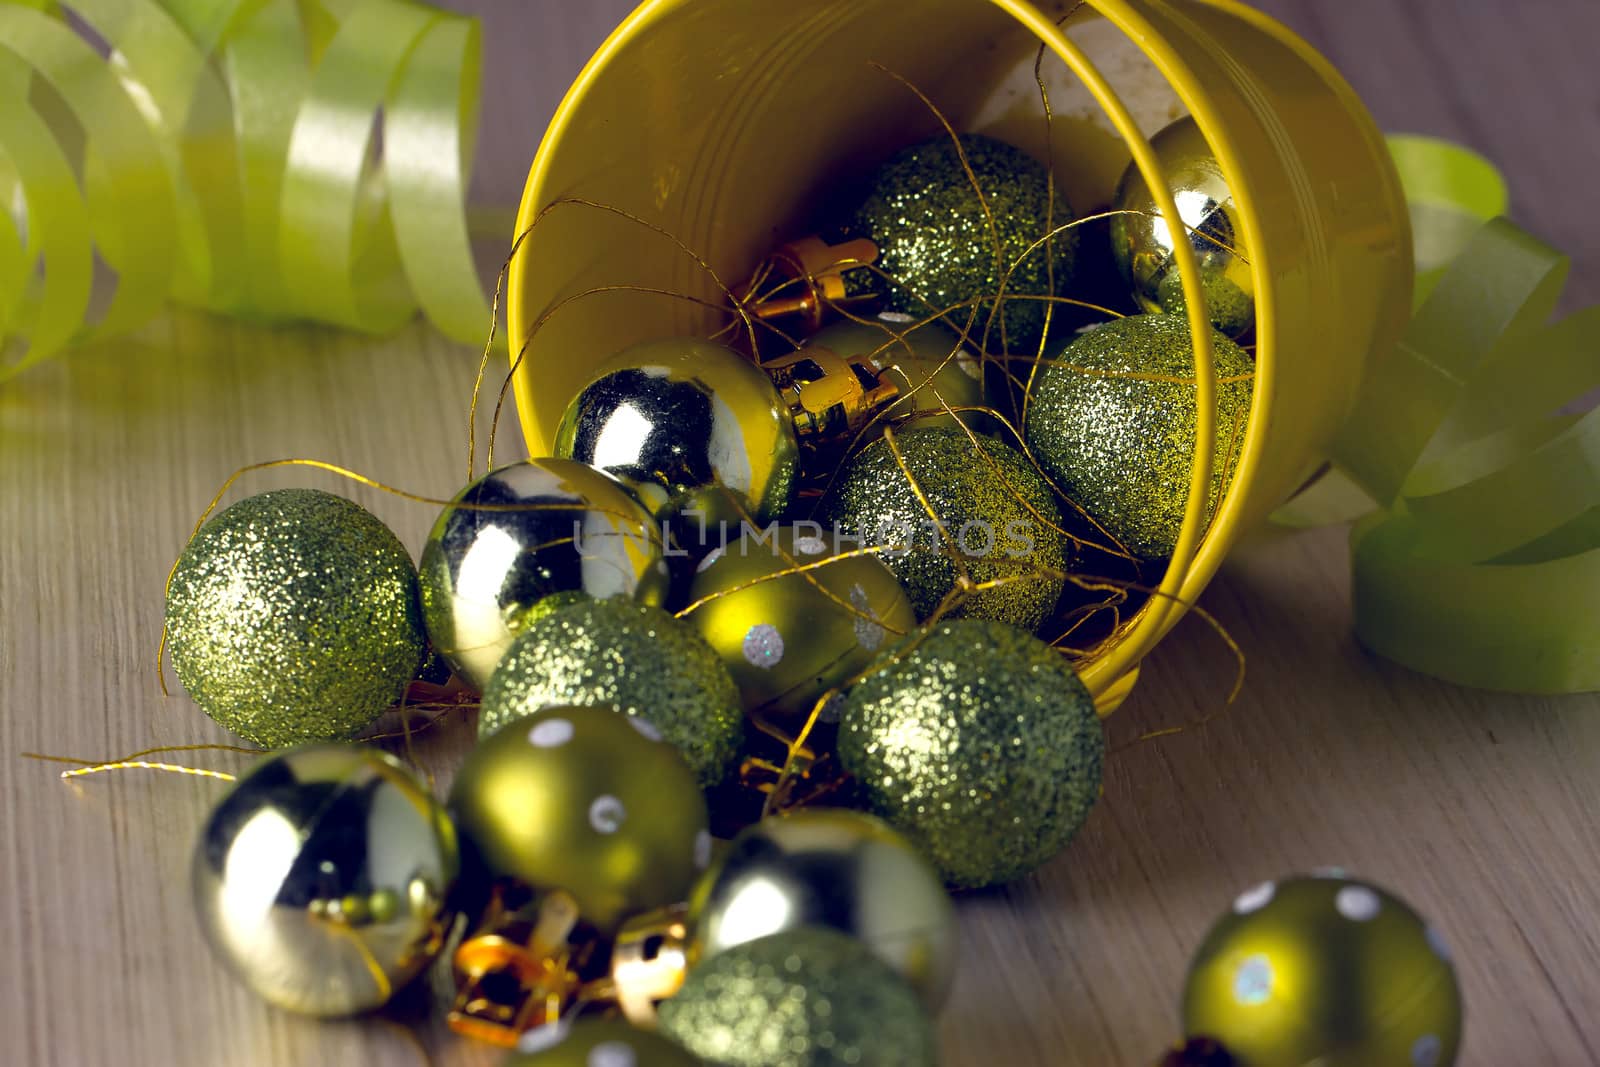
(721, 121)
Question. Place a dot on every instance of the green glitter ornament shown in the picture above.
(998, 514)
(937, 242)
(808, 997)
(980, 744)
(1119, 442)
(597, 1043)
(629, 656)
(292, 616)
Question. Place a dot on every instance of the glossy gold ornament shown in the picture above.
(598, 1043)
(1325, 970)
(631, 657)
(1112, 420)
(809, 997)
(553, 531)
(1142, 244)
(980, 744)
(321, 878)
(835, 868)
(995, 511)
(686, 414)
(787, 640)
(930, 369)
(589, 801)
(292, 617)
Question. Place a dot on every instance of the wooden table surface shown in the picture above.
(1481, 809)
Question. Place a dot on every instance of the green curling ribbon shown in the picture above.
(1482, 564)
(221, 153)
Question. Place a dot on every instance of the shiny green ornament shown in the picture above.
(835, 868)
(321, 877)
(937, 242)
(525, 540)
(631, 657)
(1121, 443)
(292, 617)
(933, 371)
(597, 1043)
(1142, 244)
(980, 744)
(809, 997)
(998, 514)
(587, 800)
(787, 640)
(1325, 970)
(686, 414)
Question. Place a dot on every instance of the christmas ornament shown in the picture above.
(937, 238)
(835, 868)
(523, 540)
(292, 617)
(686, 413)
(997, 514)
(787, 640)
(928, 366)
(597, 1043)
(1142, 243)
(321, 878)
(587, 801)
(979, 743)
(1325, 970)
(809, 997)
(1112, 420)
(631, 657)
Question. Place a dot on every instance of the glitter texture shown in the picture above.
(935, 240)
(997, 511)
(1122, 446)
(635, 658)
(809, 997)
(293, 617)
(981, 745)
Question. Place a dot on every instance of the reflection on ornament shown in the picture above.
(292, 617)
(809, 997)
(1142, 243)
(980, 744)
(834, 868)
(631, 657)
(997, 514)
(686, 414)
(941, 244)
(787, 640)
(524, 539)
(1112, 420)
(1325, 970)
(321, 878)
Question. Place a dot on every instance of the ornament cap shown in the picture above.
(810, 275)
(515, 971)
(829, 396)
(648, 963)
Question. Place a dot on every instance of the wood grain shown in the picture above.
(1479, 808)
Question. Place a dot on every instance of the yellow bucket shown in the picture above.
(721, 122)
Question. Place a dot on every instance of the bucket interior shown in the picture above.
(706, 132)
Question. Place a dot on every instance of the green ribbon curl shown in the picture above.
(1481, 564)
(222, 153)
